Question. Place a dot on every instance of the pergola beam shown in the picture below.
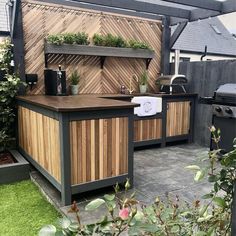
(228, 6)
(198, 14)
(141, 7)
(204, 4)
(179, 29)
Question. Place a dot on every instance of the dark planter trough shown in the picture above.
(18, 171)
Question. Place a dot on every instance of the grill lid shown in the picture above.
(226, 90)
(226, 94)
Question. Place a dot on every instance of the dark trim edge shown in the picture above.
(41, 169)
(98, 184)
(14, 172)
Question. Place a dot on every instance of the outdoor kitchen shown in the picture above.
(103, 121)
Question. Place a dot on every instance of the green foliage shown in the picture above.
(222, 178)
(94, 204)
(56, 39)
(137, 44)
(74, 78)
(8, 90)
(24, 210)
(80, 38)
(170, 217)
(5, 55)
(143, 79)
(109, 40)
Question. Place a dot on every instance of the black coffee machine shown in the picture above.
(55, 82)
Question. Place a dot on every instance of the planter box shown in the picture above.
(18, 171)
(98, 51)
(102, 52)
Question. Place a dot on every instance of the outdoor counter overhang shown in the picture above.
(79, 143)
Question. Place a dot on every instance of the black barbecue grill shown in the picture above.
(223, 114)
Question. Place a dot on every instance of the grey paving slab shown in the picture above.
(157, 172)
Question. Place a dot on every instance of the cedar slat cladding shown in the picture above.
(178, 118)
(99, 149)
(147, 129)
(39, 138)
(41, 19)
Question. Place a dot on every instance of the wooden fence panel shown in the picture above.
(41, 19)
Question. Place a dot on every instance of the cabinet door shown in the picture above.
(178, 118)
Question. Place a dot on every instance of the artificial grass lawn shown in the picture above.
(23, 210)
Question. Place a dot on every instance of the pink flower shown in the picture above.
(124, 213)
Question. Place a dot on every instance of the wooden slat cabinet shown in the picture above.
(178, 118)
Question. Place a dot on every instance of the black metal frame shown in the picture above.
(204, 8)
(65, 187)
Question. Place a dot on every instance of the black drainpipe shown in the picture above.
(205, 53)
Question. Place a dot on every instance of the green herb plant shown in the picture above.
(143, 79)
(80, 38)
(74, 78)
(8, 90)
(137, 44)
(109, 40)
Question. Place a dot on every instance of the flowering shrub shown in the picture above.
(164, 218)
(8, 90)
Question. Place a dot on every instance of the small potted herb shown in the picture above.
(143, 82)
(74, 80)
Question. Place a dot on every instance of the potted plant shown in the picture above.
(12, 165)
(143, 82)
(74, 80)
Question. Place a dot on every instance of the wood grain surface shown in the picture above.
(39, 138)
(178, 118)
(76, 103)
(99, 149)
(147, 129)
(41, 19)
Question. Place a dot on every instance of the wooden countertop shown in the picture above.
(165, 95)
(90, 101)
(76, 103)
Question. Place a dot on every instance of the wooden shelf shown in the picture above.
(102, 52)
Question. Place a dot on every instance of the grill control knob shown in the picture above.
(218, 109)
(228, 110)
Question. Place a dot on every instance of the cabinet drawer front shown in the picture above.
(178, 118)
(148, 129)
(99, 149)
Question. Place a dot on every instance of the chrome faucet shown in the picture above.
(134, 76)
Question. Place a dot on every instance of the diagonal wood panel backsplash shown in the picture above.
(41, 19)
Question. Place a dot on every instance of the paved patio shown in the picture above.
(157, 171)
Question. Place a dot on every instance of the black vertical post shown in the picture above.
(164, 120)
(192, 115)
(65, 158)
(233, 215)
(131, 147)
(18, 41)
(165, 46)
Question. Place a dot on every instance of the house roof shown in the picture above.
(3, 16)
(211, 33)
